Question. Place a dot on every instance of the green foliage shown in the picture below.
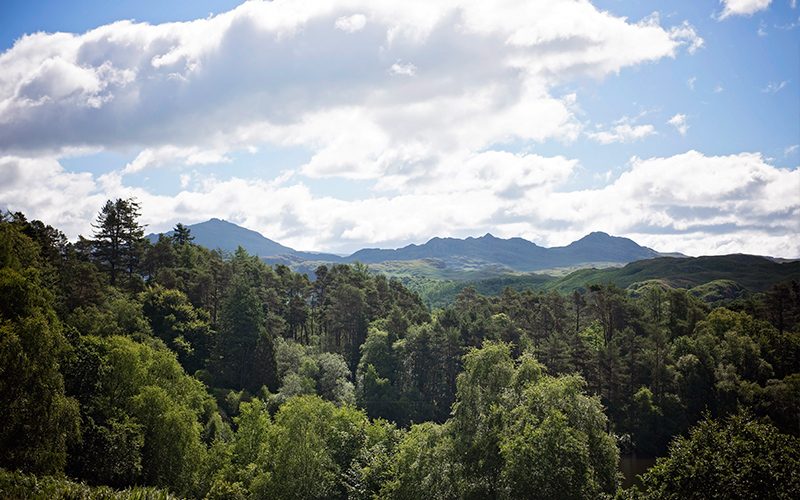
(311, 449)
(515, 433)
(751, 272)
(304, 370)
(184, 328)
(717, 291)
(119, 240)
(17, 485)
(511, 396)
(39, 421)
(736, 458)
(117, 314)
(172, 451)
(478, 415)
(243, 356)
(563, 433)
(142, 412)
(424, 465)
(110, 452)
(549, 460)
(429, 359)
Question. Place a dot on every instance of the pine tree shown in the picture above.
(118, 238)
(181, 234)
(243, 356)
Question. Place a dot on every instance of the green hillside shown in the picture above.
(752, 272)
(438, 293)
(711, 278)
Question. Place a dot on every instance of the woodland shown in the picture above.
(131, 369)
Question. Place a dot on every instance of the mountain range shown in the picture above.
(439, 269)
(488, 251)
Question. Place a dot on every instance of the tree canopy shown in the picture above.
(126, 363)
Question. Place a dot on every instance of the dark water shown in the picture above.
(632, 467)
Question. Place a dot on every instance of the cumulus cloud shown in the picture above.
(679, 121)
(265, 72)
(742, 7)
(694, 203)
(690, 202)
(422, 99)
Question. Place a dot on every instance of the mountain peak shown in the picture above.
(599, 246)
(221, 222)
(596, 235)
(224, 235)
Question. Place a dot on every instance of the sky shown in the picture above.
(337, 125)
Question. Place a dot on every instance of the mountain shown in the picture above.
(516, 254)
(218, 234)
(227, 236)
(600, 247)
(485, 253)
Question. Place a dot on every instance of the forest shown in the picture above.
(131, 369)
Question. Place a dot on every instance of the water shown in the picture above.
(631, 467)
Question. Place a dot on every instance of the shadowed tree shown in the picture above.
(243, 356)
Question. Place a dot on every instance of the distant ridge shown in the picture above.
(710, 278)
(753, 272)
(512, 254)
(516, 254)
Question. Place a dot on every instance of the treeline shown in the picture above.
(125, 363)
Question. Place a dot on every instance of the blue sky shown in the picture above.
(336, 125)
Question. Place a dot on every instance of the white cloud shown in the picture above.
(775, 87)
(690, 202)
(685, 34)
(680, 123)
(625, 130)
(162, 89)
(405, 69)
(351, 24)
(742, 7)
(790, 150)
(318, 76)
(185, 179)
(154, 157)
(690, 82)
